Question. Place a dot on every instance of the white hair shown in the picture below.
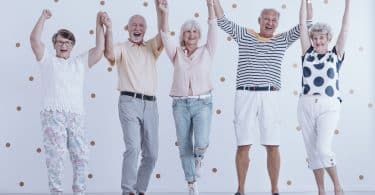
(321, 28)
(188, 25)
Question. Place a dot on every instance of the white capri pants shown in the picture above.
(318, 117)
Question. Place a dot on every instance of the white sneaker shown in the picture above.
(198, 166)
(193, 188)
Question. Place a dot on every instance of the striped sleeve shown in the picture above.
(230, 27)
(292, 35)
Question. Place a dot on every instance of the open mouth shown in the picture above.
(63, 50)
(268, 28)
(137, 34)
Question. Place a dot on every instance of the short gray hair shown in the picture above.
(188, 25)
(270, 9)
(321, 28)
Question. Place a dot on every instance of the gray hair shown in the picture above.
(321, 28)
(269, 9)
(137, 16)
(188, 25)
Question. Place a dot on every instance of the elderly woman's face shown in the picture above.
(191, 36)
(320, 42)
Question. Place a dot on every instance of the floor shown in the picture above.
(253, 193)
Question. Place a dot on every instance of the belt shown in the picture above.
(256, 88)
(139, 96)
(192, 97)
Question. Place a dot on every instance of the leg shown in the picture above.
(55, 139)
(332, 172)
(273, 166)
(78, 151)
(201, 123)
(319, 178)
(129, 117)
(149, 144)
(242, 165)
(181, 115)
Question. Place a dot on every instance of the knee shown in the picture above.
(151, 157)
(272, 149)
(199, 150)
(243, 149)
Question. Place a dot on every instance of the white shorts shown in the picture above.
(257, 109)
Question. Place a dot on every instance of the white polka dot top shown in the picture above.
(321, 73)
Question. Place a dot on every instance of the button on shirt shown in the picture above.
(136, 65)
(194, 70)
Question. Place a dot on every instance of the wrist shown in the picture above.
(308, 1)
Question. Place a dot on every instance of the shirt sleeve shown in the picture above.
(230, 27)
(156, 45)
(292, 35)
(46, 59)
(83, 59)
(169, 44)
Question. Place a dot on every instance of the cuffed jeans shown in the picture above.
(193, 120)
(140, 121)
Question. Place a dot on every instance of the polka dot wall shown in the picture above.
(22, 164)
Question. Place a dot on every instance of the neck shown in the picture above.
(191, 48)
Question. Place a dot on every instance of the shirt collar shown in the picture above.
(132, 43)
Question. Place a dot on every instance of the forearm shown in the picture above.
(211, 11)
(160, 18)
(309, 10)
(109, 50)
(219, 12)
(36, 34)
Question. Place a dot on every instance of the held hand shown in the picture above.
(46, 14)
(106, 20)
(99, 18)
(163, 5)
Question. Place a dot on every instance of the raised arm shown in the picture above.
(164, 13)
(109, 51)
(212, 27)
(170, 45)
(96, 53)
(305, 40)
(219, 12)
(340, 44)
(36, 35)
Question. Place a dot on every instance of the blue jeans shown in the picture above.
(193, 120)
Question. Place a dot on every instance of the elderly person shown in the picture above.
(319, 103)
(191, 90)
(258, 82)
(137, 82)
(62, 113)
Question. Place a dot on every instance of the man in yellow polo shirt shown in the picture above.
(138, 112)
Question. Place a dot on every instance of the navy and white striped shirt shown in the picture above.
(259, 59)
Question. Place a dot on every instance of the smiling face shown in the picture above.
(63, 43)
(268, 22)
(190, 33)
(320, 36)
(136, 28)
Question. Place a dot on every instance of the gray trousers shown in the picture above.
(140, 122)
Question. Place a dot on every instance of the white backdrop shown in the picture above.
(22, 166)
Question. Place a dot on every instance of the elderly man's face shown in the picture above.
(268, 21)
(137, 28)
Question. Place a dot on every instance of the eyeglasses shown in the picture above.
(61, 43)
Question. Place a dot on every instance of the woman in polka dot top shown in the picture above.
(319, 103)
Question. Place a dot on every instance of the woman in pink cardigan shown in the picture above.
(191, 89)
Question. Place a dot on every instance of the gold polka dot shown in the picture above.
(92, 143)
(31, 78)
(229, 38)
(18, 45)
(157, 176)
(21, 184)
(102, 2)
(289, 183)
(173, 33)
(7, 145)
(18, 108)
(145, 3)
(93, 95)
(126, 27)
(337, 131)
(307, 160)
(176, 143)
(218, 111)
(214, 170)
(298, 128)
(56, 1)
(326, 1)
(38, 150)
(370, 105)
(90, 176)
(283, 6)
(222, 79)
(196, 15)
(295, 92)
(351, 91)
(234, 5)
(295, 65)
(109, 69)
(361, 177)
(361, 49)
(91, 32)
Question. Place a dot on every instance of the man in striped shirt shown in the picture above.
(258, 82)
